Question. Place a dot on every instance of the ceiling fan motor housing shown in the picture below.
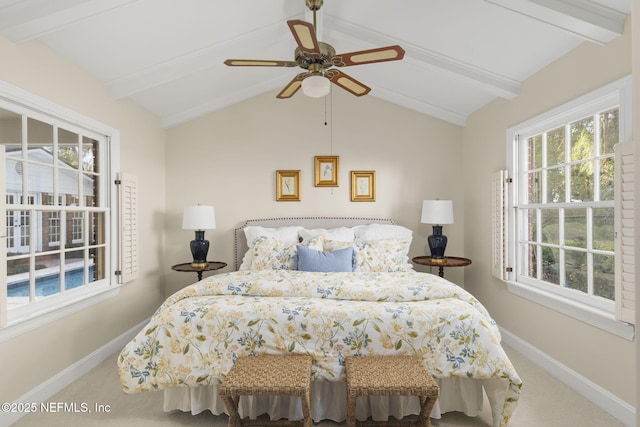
(324, 60)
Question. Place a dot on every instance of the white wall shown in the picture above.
(37, 356)
(603, 358)
(229, 159)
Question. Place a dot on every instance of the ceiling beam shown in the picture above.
(582, 18)
(29, 19)
(419, 106)
(493, 83)
(248, 92)
(211, 56)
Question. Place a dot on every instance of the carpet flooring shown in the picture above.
(544, 402)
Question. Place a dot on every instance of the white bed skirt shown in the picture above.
(329, 402)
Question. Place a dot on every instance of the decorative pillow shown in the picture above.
(269, 253)
(366, 233)
(381, 255)
(324, 261)
(333, 245)
(377, 255)
(285, 234)
(342, 234)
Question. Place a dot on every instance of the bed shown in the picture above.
(328, 287)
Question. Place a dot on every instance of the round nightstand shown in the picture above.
(187, 267)
(449, 261)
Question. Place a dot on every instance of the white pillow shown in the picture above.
(286, 234)
(381, 232)
(340, 234)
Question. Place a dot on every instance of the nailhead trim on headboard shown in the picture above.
(240, 245)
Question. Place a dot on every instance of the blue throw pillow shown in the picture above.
(324, 261)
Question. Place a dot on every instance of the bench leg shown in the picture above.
(231, 403)
(306, 410)
(351, 410)
(426, 405)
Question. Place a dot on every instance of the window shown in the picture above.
(561, 250)
(61, 246)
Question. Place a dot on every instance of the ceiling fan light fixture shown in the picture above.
(316, 86)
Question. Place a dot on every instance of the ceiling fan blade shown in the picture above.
(305, 36)
(292, 87)
(381, 54)
(258, 63)
(347, 82)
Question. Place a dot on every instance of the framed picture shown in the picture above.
(363, 186)
(326, 168)
(287, 186)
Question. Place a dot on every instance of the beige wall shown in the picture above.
(40, 354)
(603, 358)
(229, 159)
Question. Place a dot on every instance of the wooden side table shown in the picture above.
(449, 261)
(187, 267)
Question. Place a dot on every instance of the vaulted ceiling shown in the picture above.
(167, 55)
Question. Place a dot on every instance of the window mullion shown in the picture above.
(81, 201)
(538, 244)
(567, 164)
(590, 283)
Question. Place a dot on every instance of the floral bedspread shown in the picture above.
(197, 333)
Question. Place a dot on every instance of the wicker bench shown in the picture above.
(268, 375)
(389, 376)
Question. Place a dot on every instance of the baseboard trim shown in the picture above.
(606, 400)
(44, 391)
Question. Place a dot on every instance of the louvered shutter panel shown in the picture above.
(3, 239)
(498, 220)
(128, 227)
(625, 233)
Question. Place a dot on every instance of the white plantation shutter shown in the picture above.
(625, 233)
(498, 222)
(3, 240)
(128, 223)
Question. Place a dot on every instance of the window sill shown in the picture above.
(15, 328)
(590, 315)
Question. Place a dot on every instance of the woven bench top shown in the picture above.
(268, 375)
(389, 375)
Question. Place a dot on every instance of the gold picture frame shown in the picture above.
(288, 185)
(326, 171)
(363, 186)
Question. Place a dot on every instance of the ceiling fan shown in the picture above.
(318, 58)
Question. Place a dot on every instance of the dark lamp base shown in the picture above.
(437, 244)
(199, 250)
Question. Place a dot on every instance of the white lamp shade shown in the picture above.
(437, 212)
(316, 86)
(198, 218)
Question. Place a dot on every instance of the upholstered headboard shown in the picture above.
(240, 243)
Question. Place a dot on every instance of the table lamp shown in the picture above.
(199, 218)
(437, 212)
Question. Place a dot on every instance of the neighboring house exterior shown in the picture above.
(48, 226)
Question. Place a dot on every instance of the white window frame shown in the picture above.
(615, 94)
(59, 306)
